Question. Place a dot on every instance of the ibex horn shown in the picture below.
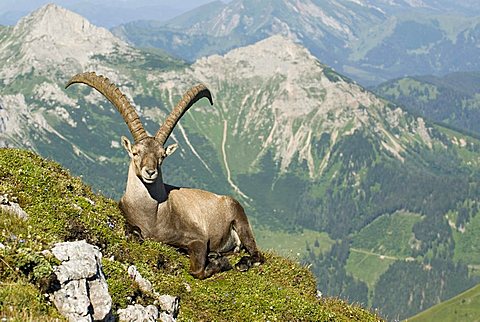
(116, 97)
(189, 98)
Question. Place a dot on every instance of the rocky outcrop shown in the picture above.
(7, 204)
(83, 293)
(169, 305)
(138, 312)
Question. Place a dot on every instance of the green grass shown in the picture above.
(469, 157)
(393, 234)
(20, 301)
(378, 245)
(61, 207)
(367, 267)
(292, 244)
(410, 86)
(464, 307)
(467, 244)
(328, 175)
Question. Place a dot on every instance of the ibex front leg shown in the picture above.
(200, 266)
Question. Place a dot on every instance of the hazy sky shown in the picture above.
(106, 13)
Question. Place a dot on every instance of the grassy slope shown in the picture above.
(393, 234)
(452, 99)
(63, 208)
(371, 257)
(464, 307)
(367, 267)
(467, 243)
(292, 244)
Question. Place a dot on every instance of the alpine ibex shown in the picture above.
(199, 221)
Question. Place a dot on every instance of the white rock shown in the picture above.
(72, 300)
(79, 260)
(169, 304)
(100, 298)
(144, 284)
(83, 294)
(137, 312)
(12, 207)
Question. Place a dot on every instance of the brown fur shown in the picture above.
(196, 220)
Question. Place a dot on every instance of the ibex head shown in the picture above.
(147, 157)
(147, 152)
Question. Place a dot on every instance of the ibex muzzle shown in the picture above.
(196, 220)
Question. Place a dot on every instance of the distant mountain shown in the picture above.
(326, 28)
(467, 7)
(464, 7)
(370, 41)
(305, 149)
(105, 13)
(453, 99)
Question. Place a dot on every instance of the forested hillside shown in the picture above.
(453, 99)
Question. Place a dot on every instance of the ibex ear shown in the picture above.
(171, 148)
(127, 145)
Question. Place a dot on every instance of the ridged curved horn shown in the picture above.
(189, 98)
(116, 97)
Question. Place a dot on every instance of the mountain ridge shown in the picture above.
(323, 103)
(338, 157)
(370, 41)
(451, 99)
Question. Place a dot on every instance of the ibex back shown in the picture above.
(199, 221)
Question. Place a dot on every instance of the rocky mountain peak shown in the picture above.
(281, 47)
(296, 97)
(276, 53)
(54, 35)
(49, 18)
(297, 72)
(60, 25)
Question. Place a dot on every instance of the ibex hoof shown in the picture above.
(216, 265)
(244, 264)
(223, 263)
